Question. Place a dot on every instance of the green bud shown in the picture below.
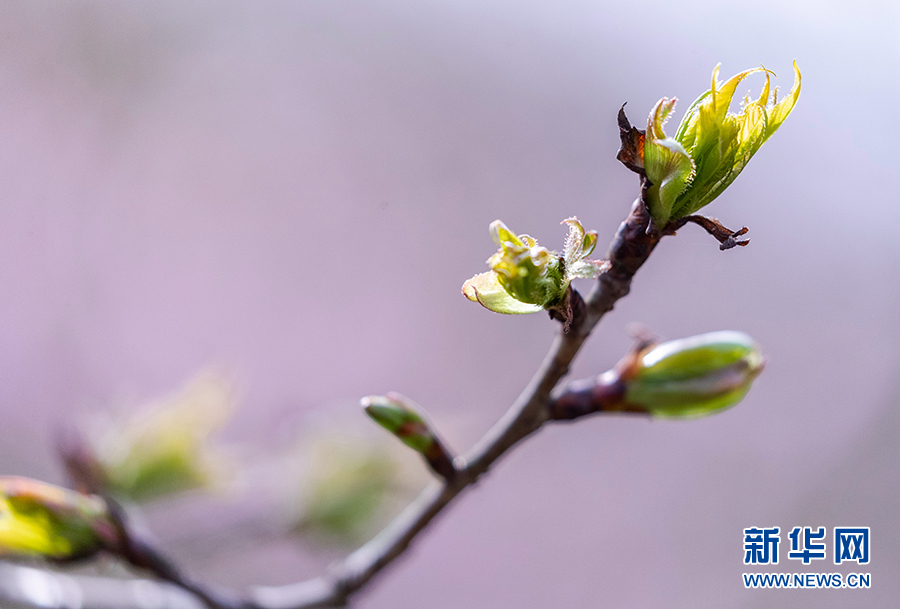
(692, 377)
(528, 272)
(711, 146)
(42, 520)
(401, 417)
(396, 414)
(525, 277)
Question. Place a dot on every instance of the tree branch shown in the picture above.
(632, 245)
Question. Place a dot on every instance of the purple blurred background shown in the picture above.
(296, 192)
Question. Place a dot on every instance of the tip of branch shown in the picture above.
(726, 237)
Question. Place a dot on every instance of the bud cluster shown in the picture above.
(526, 278)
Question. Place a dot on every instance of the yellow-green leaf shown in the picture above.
(485, 289)
(42, 520)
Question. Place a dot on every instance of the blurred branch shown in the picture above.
(22, 587)
(141, 553)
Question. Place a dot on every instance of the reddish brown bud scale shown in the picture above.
(604, 393)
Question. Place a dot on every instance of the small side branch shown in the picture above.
(726, 237)
(130, 544)
(140, 553)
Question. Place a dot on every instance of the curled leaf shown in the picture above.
(667, 164)
(485, 289)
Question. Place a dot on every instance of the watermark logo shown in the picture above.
(851, 544)
(761, 546)
(805, 547)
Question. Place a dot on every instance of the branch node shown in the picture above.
(440, 461)
(570, 311)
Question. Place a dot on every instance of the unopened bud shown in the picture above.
(686, 378)
(402, 417)
(42, 520)
(693, 377)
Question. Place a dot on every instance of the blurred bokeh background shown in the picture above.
(292, 194)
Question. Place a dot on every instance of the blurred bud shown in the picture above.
(164, 448)
(526, 278)
(401, 417)
(43, 520)
(692, 377)
(710, 147)
(345, 487)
